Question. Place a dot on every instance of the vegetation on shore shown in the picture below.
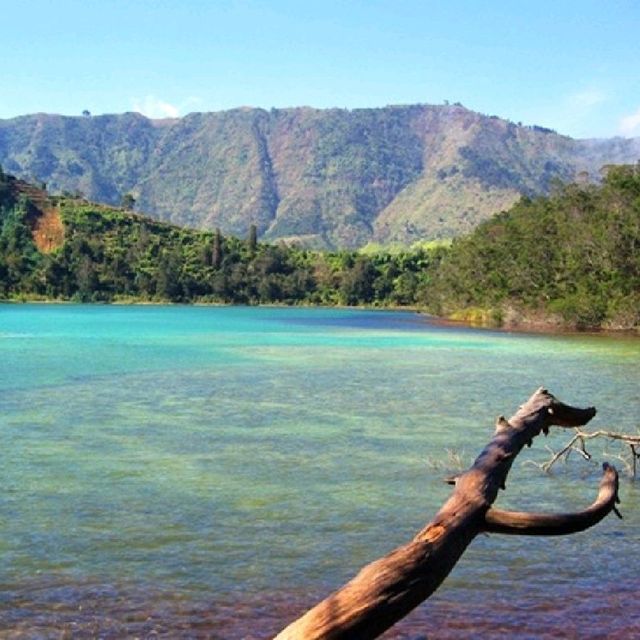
(111, 254)
(572, 259)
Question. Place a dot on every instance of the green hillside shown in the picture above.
(572, 259)
(330, 178)
(66, 248)
(569, 260)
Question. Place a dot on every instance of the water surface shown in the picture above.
(211, 472)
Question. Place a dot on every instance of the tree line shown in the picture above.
(110, 254)
(573, 256)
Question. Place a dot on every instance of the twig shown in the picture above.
(578, 443)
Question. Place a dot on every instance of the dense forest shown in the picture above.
(571, 259)
(110, 254)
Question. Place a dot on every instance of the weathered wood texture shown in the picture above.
(386, 590)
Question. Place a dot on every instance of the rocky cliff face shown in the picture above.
(327, 178)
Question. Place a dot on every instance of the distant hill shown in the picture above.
(326, 178)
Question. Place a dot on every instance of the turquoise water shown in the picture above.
(209, 472)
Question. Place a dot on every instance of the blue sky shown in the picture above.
(573, 66)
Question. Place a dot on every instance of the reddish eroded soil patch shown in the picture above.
(48, 231)
(44, 218)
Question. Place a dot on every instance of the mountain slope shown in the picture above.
(328, 178)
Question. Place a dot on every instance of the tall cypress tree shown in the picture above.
(216, 258)
(253, 238)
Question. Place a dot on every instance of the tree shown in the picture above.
(253, 238)
(86, 278)
(216, 256)
(357, 282)
(18, 254)
(168, 282)
(388, 589)
(6, 192)
(128, 201)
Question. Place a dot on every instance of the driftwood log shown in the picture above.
(389, 588)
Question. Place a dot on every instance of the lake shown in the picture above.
(211, 472)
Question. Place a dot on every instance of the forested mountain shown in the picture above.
(327, 178)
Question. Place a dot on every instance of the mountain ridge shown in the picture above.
(324, 177)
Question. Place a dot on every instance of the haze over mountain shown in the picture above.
(327, 178)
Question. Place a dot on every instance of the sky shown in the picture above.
(570, 65)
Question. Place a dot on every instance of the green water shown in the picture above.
(218, 454)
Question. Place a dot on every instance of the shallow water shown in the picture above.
(211, 472)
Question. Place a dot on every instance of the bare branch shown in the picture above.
(541, 524)
(581, 437)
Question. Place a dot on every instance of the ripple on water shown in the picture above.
(59, 608)
(138, 443)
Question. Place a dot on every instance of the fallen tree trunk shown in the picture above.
(389, 588)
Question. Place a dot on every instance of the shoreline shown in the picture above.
(538, 326)
(534, 328)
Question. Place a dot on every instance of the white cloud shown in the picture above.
(582, 113)
(588, 98)
(630, 125)
(153, 107)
